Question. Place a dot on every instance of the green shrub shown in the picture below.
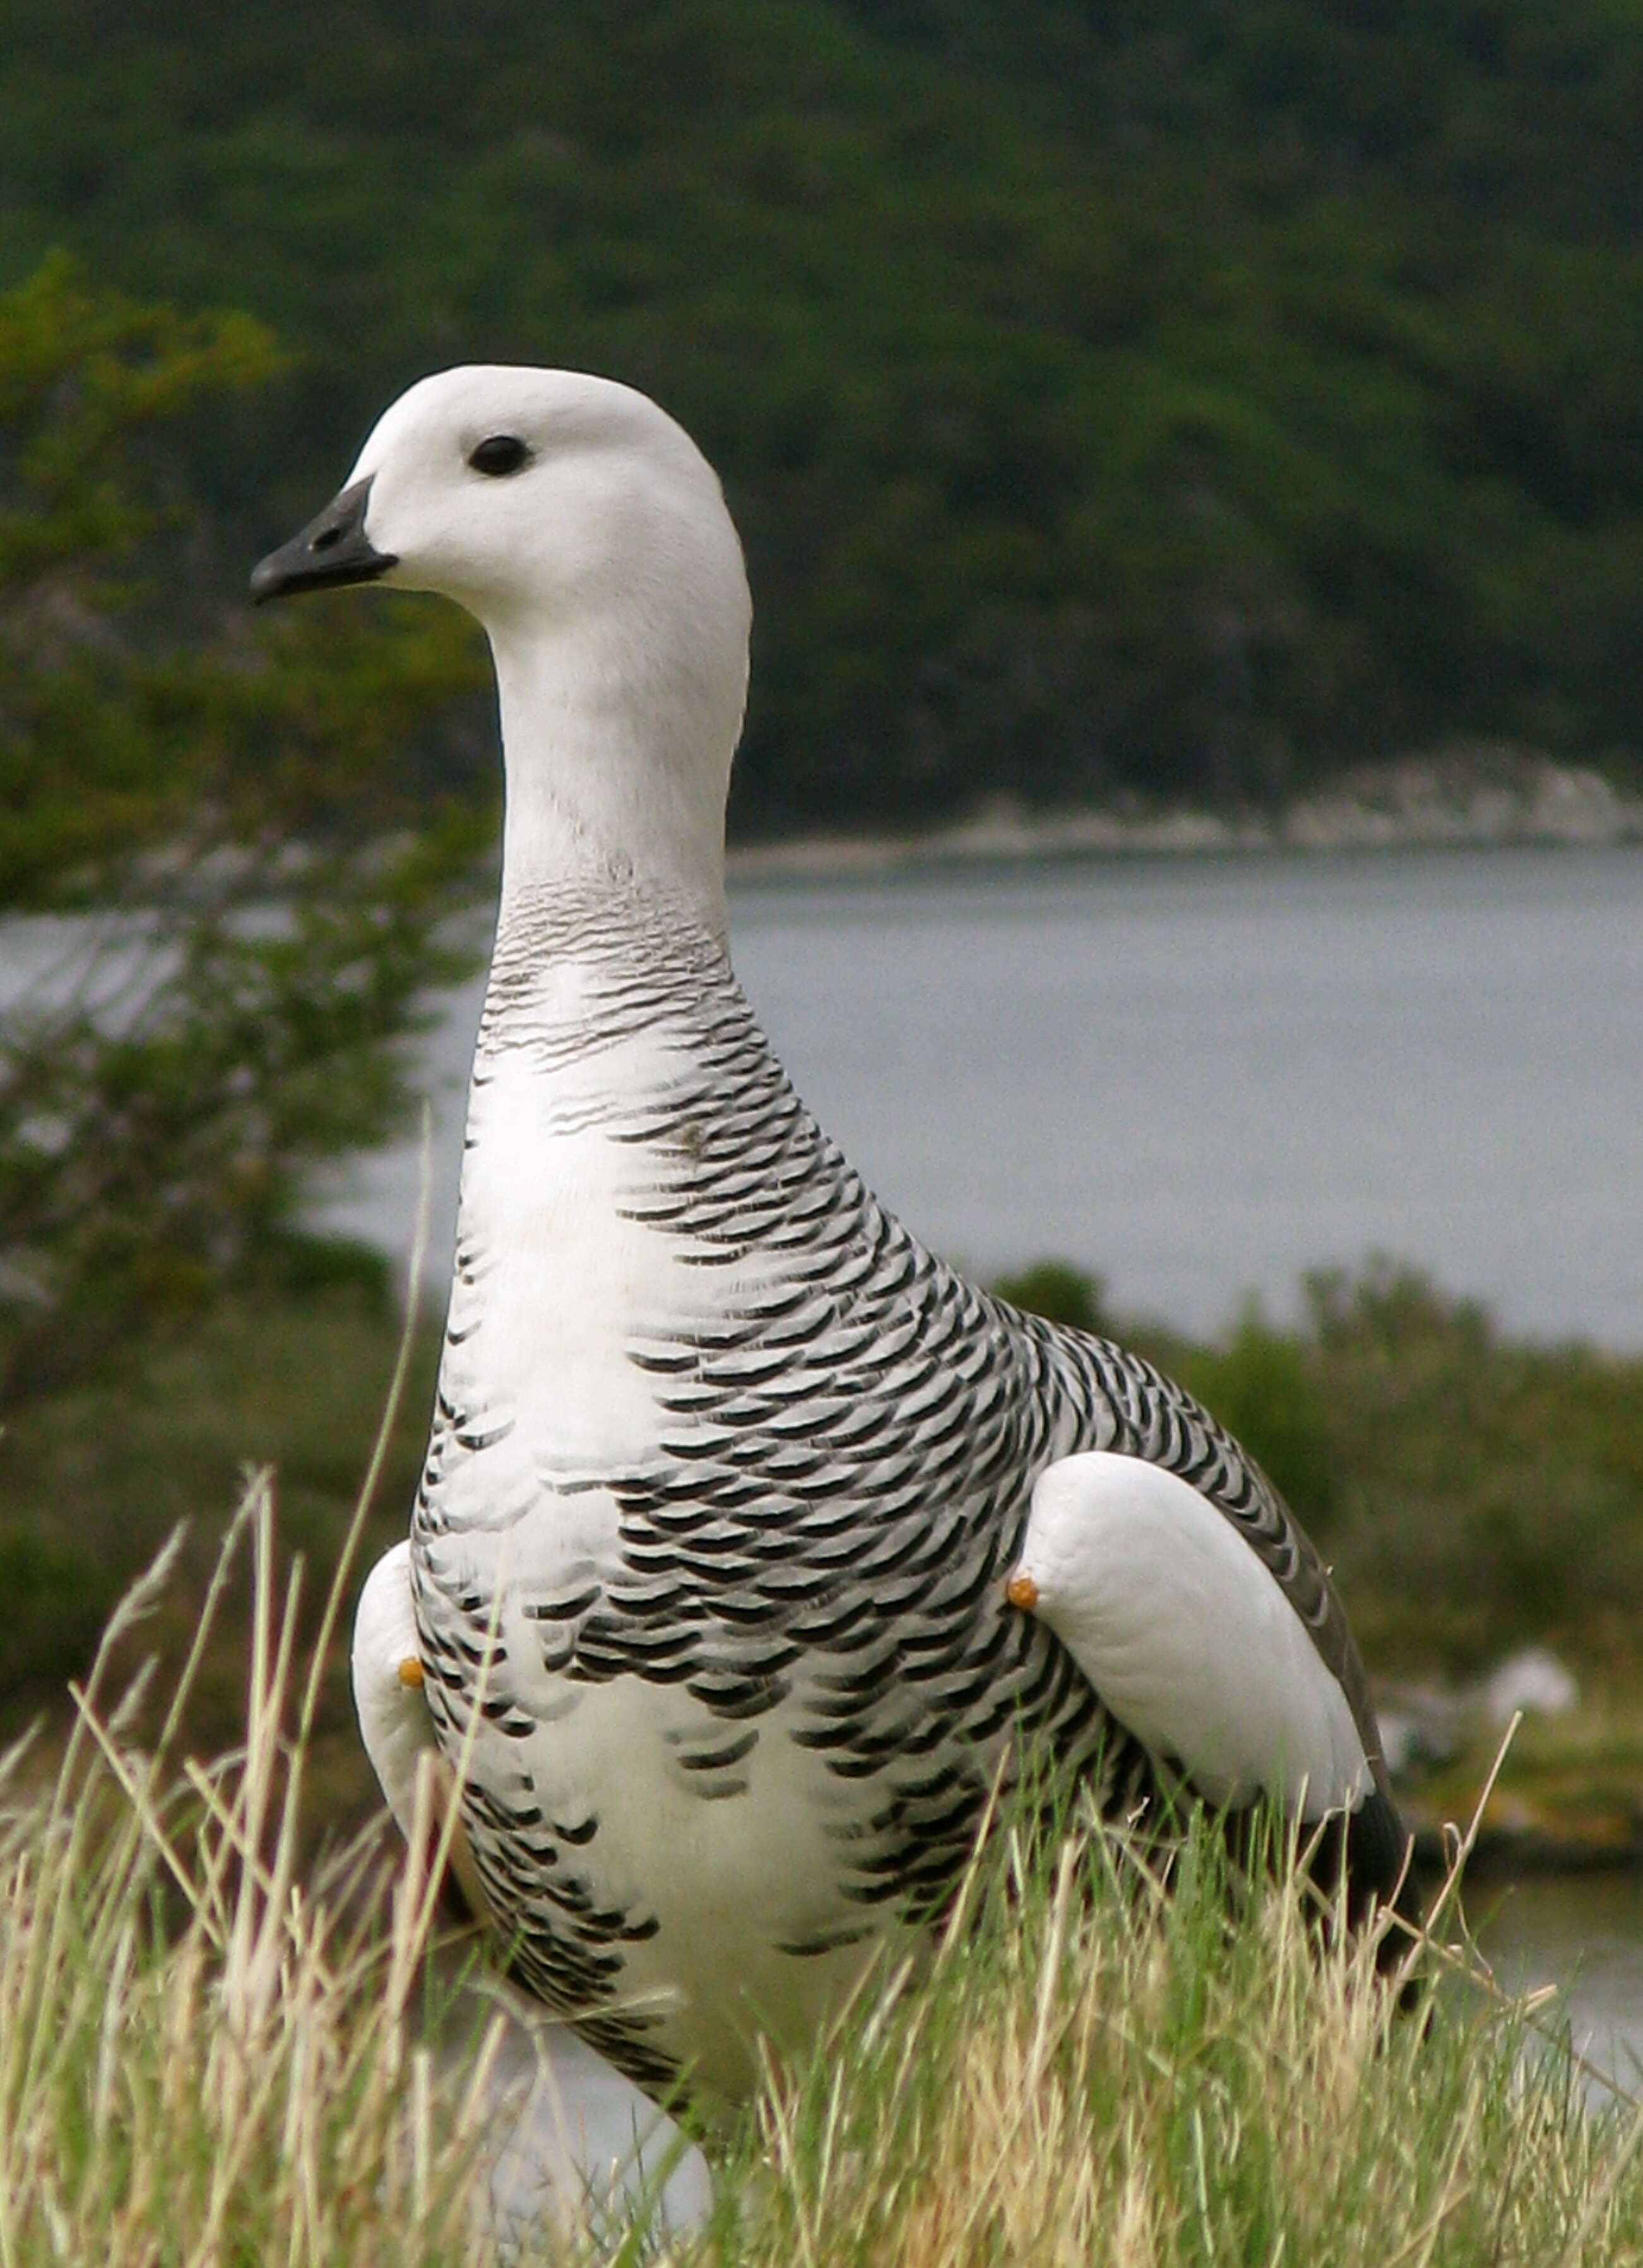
(1263, 1386)
(1059, 1293)
(56, 1601)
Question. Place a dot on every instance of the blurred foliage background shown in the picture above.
(243, 890)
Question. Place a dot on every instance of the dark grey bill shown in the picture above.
(333, 549)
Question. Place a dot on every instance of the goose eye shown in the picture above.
(500, 455)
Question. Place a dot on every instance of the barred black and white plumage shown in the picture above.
(727, 1474)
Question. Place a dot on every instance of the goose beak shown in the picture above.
(331, 549)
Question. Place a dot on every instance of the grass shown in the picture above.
(213, 2051)
(204, 2058)
(1095, 2074)
(92, 1480)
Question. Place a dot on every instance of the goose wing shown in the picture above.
(1189, 1635)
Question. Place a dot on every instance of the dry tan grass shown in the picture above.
(1097, 2070)
(202, 2059)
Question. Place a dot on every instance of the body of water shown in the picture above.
(1583, 1933)
(1200, 1078)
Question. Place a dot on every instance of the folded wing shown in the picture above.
(1189, 1637)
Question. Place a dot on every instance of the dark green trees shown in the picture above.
(1168, 401)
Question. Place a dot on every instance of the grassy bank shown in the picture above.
(290, 1379)
(206, 2057)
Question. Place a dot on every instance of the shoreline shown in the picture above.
(1509, 1854)
(1492, 800)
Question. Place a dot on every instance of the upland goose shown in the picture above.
(727, 1474)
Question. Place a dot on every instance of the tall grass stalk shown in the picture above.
(202, 2059)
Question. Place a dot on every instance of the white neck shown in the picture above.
(617, 759)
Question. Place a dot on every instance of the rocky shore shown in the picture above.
(1490, 795)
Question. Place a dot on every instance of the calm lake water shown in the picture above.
(1202, 1077)
(1583, 1933)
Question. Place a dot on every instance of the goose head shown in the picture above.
(589, 536)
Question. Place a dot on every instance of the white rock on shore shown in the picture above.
(1425, 1724)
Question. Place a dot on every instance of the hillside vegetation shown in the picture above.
(1164, 401)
